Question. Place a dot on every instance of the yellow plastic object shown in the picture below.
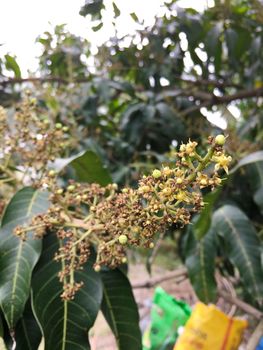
(208, 328)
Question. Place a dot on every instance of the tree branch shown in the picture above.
(209, 99)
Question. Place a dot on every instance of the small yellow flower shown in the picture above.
(144, 189)
(182, 196)
(203, 180)
(222, 161)
(156, 173)
(190, 147)
(167, 171)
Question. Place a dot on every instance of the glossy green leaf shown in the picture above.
(65, 324)
(12, 65)
(242, 247)
(120, 310)
(253, 166)
(27, 332)
(254, 173)
(251, 158)
(17, 257)
(202, 223)
(89, 168)
(200, 262)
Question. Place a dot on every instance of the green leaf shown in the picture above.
(254, 174)
(97, 27)
(117, 12)
(120, 310)
(93, 8)
(17, 257)
(12, 65)
(27, 332)
(89, 168)
(253, 166)
(200, 263)
(65, 324)
(212, 39)
(203, 221)
(238, 41)
(251, 158)
(243, 247)
(134, 17)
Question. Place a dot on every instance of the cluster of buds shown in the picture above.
(29, 141)
(88, 215)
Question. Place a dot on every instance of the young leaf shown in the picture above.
(120, 310)
(200, 263)
(17, 257)
(65, 324)
(243, 247)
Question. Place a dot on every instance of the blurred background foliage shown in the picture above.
(186, 76)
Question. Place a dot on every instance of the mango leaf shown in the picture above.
(120, 310)
(212, 39)
(117, 12)
(203, 221)
(97, 27)
(65, 324)
(251, 158)
(200, 263)
(27, 332)
(253, 165)
(134, 17)
(242, 247)
(88, 167)
(255, 178)
(17, 257)
(93, 8)
(12, 65)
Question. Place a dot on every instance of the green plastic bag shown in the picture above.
(167, 315)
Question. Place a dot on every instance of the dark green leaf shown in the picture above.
(65, 324)
(27, 332)
(89, 168)
(97, 27)
(253, 166)
(251, 158)
(12, 65)
(93, 8)
(17, 257)
(243, 247)
(200, 263)
(238, 41)
(120, 310)
(254, 173)
(203, 221)
(1, 328)
(212, 39)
